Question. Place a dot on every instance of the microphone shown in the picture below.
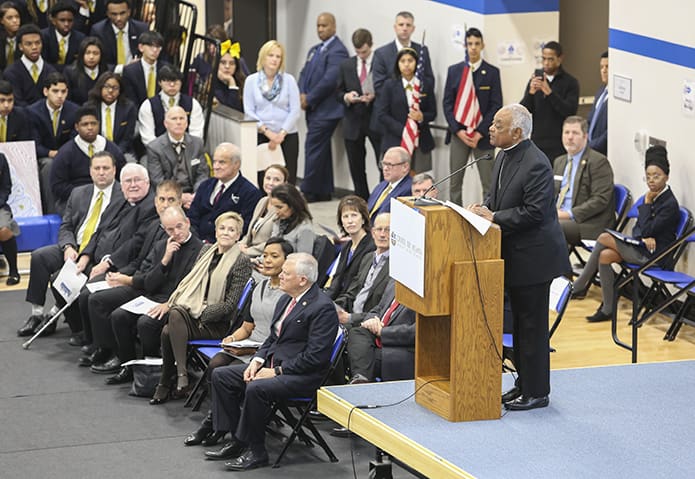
(423, 201)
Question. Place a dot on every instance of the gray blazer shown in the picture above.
(162, 158)
(76, 212)
(260, 229)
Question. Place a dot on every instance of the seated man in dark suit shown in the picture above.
(585, 201)
(52, 125)
(397, 181)
(179, 156)
(70, 166)
(60, 41)
(29, 73)
(141, 77)
(119, 33)
(227, 191)
(290, 363)
(14, 122)
(83, 214)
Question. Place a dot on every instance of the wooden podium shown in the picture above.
(454, 344)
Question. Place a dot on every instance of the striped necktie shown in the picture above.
(566, 186)
(380, 200)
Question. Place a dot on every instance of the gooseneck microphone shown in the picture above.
(423, 201)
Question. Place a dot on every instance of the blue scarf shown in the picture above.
(272, 92)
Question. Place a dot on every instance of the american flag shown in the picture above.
(411, 131)
(466, 108)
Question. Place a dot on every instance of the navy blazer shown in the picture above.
(356, 116)
(599, 136)
(306, 336)
(391, 112)
(533, 245)
(319, 78)
(26, 91)
(231, 97)
(123, 124)
(658, 220)
(79, 83)
(19, 126)
(50, 47)
(135, 84)
(241, 197)
(488, 89)
(84, 24)
(104, 31)
(384, 62)
(404, 188)
(42, 126)
(3, 45)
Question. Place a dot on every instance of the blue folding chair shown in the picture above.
(681, 316)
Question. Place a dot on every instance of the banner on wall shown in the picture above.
(25, 198)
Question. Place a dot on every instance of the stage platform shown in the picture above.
(610, 422)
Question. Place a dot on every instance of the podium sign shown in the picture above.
(407, 250)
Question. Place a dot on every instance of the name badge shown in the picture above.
(195, 161)
(558, 177)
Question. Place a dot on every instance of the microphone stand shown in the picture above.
(424, 201)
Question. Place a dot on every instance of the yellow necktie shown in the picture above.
(56, 115)
(92, 220)
(91, 5)
(10, 52)
(109, 125)
(151, 83)
(35, 72)
(380, 200)
(120, 49)
(3, 130)
(61, 51)
(42, 6)
(90, 149)
(93, 75)
(171, 101)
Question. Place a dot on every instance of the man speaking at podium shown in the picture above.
(521, 202)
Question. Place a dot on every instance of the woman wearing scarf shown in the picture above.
(204, 303)
(271, 97)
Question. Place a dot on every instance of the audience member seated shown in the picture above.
(116, 330)
(152, 111)
(116, 114)
(261, 225)
(70, 167)
(140, 77)
(10, 21)
(353, 220)
(15, 124)
(228, 87)
(228, 190)
(119, 33)
(422, 182)
(292, 218)
(257, 316)
(288, 364)
(395, 106)
(397, 181)
(179, 156)
(585, 201)
(61, 42)
(271, 97)
(84, 212)
(367, 286)
(82, 75)
(655, 227)
(52, 126)
(203, 305)
(29, 73)
(8, 226)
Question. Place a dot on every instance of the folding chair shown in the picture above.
(560, 293)
(681, 316)
(303, 406)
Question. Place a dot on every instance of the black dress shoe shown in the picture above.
(213, 438)
(579, 293)
(599, 316)
(230, 450)
(161, 395)
(12, 279)
(248, 460)
(511, 395)
(340, 432)
(112, 365)
(97, 357)
(29, 327)
(524, 403)
(197, 436)
(88, 349)
(76, 340)
(125, 375)
(50, 329)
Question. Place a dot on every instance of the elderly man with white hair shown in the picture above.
(522, 203)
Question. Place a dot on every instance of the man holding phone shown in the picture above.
(551, 95)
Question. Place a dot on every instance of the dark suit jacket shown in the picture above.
(347, 270)
(658, 220)
(3, 51)
(599, 137)
(593, 201)
(123, 124)
(50, 47)
(231, 97)
(79, 83)
(488, 90)
(347, 299)
(533, 246)
(391, 111)
(384, 63)
(26, 91)
(241, 197)
(356, 115)
(77, 209)
(306, 337)
(135, 84)
(104, 31)
(142, 249)
(42, 126)
(19, 126)
(404, 188)
(162, 160)
(84, 24)
(319, 78)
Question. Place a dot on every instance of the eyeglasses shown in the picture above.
(384, 165)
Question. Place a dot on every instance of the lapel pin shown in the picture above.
(303, 303)
(483, 72)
